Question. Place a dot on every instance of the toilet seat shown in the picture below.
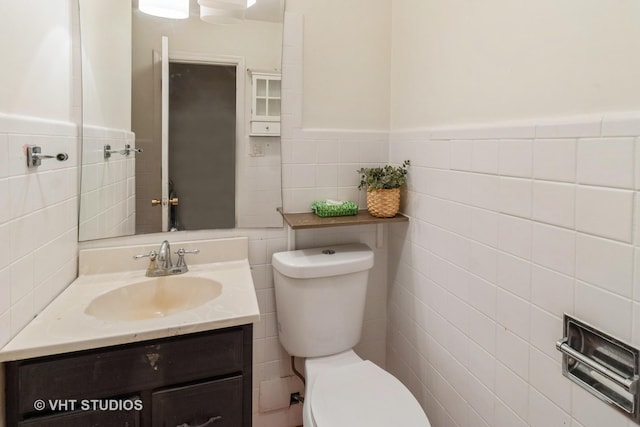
(362, 394)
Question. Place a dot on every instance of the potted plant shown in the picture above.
(383, 188)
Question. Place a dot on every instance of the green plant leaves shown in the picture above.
(384, 177)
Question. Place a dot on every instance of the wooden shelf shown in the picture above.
(299, 221)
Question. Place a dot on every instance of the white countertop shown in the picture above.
(63, 326)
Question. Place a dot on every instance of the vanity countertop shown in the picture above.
(63, 326)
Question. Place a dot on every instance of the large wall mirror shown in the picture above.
(180, 119)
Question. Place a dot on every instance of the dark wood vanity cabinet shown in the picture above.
(201, 379)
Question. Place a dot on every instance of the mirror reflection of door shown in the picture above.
(202, 134)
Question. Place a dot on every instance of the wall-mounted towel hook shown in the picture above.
(34, 156)
(125, 151)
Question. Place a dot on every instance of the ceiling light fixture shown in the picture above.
(173, 9)
(212, 15)
(227, 4)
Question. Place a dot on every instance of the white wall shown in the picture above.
(39, 104)
(524, 215)
(457, 62)
(106, 63)
(346, 63)
(37, 57)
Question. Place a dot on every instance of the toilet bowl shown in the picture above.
(320, 296)
(345, 391)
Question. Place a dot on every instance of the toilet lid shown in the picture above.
(362, 394)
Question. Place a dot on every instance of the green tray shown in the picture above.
(321, 208)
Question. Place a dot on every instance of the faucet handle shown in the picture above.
(181, 252)
(152, 259)
(151, 255)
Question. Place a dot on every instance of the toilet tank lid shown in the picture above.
(325, 261)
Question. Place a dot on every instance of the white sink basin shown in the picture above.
(112, 302)
(154, 297)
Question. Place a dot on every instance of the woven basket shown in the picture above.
(383, 203)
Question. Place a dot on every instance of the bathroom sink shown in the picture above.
(153, 298)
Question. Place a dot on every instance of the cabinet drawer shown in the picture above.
(125, 369)
(265, 128)
(211, 404)
(87, 419)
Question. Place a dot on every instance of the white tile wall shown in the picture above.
(108, 190)
(548, 225)
(38, 222)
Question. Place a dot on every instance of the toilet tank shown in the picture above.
(320, 297)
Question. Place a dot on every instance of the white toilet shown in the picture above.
(320, 297)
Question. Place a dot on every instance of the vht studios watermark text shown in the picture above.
(87, 405)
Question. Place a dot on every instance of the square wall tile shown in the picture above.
(5, 328)
(485, 156)
(484, 226)
(552, 291)
(514, 275)
(460, 186)
(349, 152)
(5, 213)
(515, 236)
(515, 158)
(485, 191)
(327, 151)
(374, 152)
(546, 330)
(554, 203)
(482, 330)
(637, 164)
(554, 159)
(546, 376)
(606, 212)
(4, 156)
(304, 152)
(437, 154)
(461, 152)
(554, 248)
(605, 263)
(483, 261)
(608, 311)
(515, 197)
(5, 290)
(544, 412)
(512, 312)
(591, 412)
(506, 417)
(606, 162)
(512, 389)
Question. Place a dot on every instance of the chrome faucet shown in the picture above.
(163, 256)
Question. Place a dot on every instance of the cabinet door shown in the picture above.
(211, 404)
(266, 97)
